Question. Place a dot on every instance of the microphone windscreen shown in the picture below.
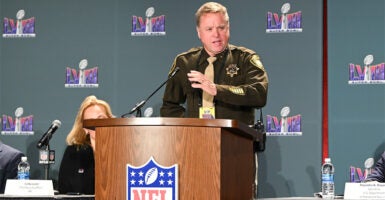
(56, 123)
(148, 112)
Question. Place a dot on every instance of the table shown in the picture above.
(291, 198)
(71, 197)
(298, 198)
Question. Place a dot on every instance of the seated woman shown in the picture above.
(378, 173)
(77, 168)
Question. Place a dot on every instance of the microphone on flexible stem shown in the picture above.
(139, 105)
(48, 134)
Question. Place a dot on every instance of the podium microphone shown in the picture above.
(139, 105)
(48, 134)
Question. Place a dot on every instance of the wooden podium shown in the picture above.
(215, 158)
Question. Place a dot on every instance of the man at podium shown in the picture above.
(237, 85)
(226, 81)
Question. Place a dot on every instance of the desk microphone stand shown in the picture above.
(46, 158)
(47, 165)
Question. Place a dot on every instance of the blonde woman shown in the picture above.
(76, 174)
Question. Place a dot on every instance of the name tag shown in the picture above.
(207, 112)
(369, 190)
(15, 187)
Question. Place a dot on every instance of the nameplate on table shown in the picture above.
(368, 190)
(39, 188)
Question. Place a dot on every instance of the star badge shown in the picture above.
(232, 70)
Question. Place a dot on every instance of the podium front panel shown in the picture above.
(214, 162)
(197, 154)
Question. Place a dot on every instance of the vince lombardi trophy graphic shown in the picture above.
(368, 166)
(149, 13)
(368, 61)
(284, 113)
(82, 65)
(285, 9)
(18, 113)
(19, 23)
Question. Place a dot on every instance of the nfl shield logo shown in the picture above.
(152, 181)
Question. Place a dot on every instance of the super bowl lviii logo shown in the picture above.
(286, 126)
(361, 174)
(151, 26)
(369, 74)
(152, 181)
(84, 78)
(18, 125)
(19, 27)
(284, 22)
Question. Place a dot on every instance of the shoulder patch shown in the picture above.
(256, 62)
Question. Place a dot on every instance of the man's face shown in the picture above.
(214, 32)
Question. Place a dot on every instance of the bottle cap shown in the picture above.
(24, 158)
(327, 160)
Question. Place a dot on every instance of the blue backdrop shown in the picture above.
(32, 75)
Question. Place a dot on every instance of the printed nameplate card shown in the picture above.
(369, 190)
(39, 188)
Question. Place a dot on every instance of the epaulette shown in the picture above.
(240, 48)
(192, 50)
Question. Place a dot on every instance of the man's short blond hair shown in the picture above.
(211, 7)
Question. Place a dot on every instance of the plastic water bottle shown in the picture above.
(327, 179)
(23, 169)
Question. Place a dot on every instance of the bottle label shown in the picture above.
(22, 175)
(327, 177)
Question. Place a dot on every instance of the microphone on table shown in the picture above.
(139, 105)
(48, 134)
